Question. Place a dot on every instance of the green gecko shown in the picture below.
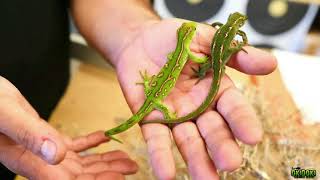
(222, 47)
(158, 86)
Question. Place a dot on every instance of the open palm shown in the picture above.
(109, 165)
(215, 130)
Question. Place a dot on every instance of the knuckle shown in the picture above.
(236, 111)
(189, 141)
(26, 139)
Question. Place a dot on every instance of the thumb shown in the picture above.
(32, 132)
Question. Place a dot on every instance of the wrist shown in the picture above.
(121, 39)
(109, 26)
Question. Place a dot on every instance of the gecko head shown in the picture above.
(187, 28)
(237, 18)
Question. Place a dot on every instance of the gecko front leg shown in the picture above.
(202, 70)
(216, 24)
(147, 81)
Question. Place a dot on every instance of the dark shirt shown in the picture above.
(34, 48)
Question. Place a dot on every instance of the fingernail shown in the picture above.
(48, 150)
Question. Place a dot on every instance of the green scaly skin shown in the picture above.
(222, 47)
(158, 86)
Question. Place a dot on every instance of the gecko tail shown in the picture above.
(113, 138)
(122, 127)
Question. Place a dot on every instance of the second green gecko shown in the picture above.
(158, 86)
(222, 47)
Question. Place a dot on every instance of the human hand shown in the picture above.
(208, 143)
(32, 148)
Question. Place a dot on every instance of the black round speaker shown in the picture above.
(263, 22)
(195, 10)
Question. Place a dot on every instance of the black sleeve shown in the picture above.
(35, 49)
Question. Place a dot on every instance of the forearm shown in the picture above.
(108, 25)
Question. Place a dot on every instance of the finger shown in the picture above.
(20, 122)
(203, 38)
(18, 159)
(199, 93)
(240, 116)
(109, 175)
(157, 137)
(108, 156)
(255, 61)
(91, 140)
(33, 133)
(220, 141)
(194, 152)
(123, 166)
(8, 89)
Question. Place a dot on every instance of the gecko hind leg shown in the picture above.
(201, 72)
(165, 110)
(197, 59)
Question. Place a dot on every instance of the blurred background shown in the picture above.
(279, 24)
(271, 23)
